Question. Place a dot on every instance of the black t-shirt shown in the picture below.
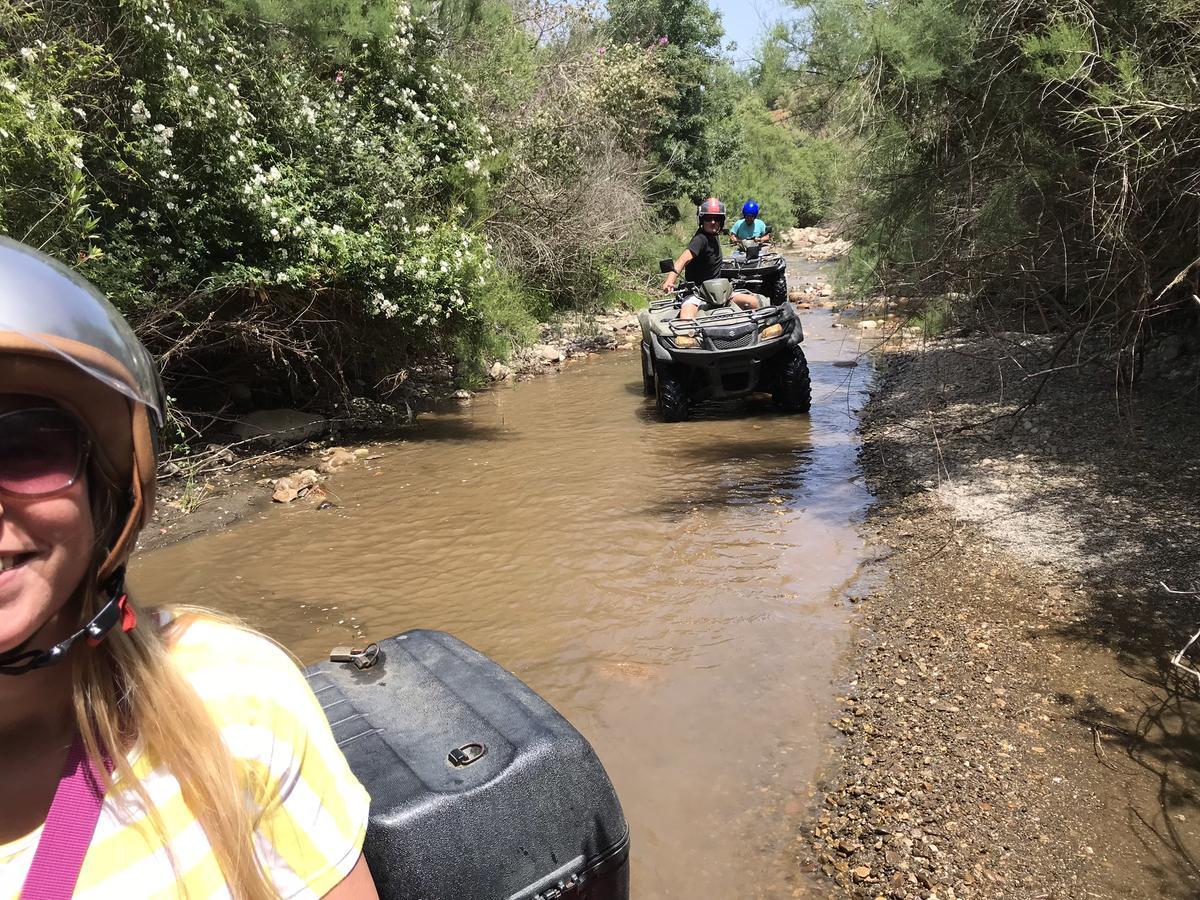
(706, 258)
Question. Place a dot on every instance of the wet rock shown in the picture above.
(337, 458)
(549, 353)
(499, 372)
(462, 394)
(291, 487)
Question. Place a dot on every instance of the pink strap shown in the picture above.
(68, 831)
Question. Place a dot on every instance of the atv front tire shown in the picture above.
(671, 394)
(793, 390)
(779, 291)
(647, 371)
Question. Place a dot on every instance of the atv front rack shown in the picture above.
(742, 316)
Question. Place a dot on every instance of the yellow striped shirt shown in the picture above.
(314, 811)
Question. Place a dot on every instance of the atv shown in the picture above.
(724, 352)
(757, 268)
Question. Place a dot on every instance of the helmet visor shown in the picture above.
(55, 309)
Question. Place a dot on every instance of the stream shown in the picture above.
(676, 591)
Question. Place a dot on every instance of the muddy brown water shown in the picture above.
(676, 591)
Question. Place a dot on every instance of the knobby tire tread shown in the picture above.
(793, 394)
(672, 396)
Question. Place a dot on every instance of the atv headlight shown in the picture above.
(771, 331)
(685, 341)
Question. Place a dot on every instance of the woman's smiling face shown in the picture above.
(45, 546)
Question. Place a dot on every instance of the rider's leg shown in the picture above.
(744, 300)
(689, 309)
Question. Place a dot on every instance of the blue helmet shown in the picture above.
(750, 208)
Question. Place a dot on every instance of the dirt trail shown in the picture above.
(1013, 726)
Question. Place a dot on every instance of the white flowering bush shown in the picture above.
(204, 166)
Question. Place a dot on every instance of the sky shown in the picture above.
(746, 20)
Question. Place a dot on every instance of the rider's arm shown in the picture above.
(668, 284)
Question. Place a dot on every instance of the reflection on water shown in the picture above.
(671, 589)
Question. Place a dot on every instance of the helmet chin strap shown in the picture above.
(116, 611)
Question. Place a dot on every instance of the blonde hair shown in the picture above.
(127, 690)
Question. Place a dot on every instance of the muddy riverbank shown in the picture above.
(1011, 724)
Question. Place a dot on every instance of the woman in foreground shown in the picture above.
(143, 753)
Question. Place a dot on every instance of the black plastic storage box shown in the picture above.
(479, 789)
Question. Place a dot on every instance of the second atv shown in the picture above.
(724, 352)
(755, 267)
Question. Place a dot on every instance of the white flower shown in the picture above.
(10, 86)
(193, 90)
(78, 161)
(28, 54)
(79, 112)
(274, 174)
(472, 166)
(275, 234)
(183, 72)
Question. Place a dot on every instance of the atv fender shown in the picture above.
(797, 335)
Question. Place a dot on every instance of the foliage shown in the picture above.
(692, 135)
(573, 114)
(794, 178)
(192, 179)
(297, 201)
(1040, 153)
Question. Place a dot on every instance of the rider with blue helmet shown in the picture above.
(750, 227)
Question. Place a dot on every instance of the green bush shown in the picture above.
(210, 161)
(794, 178)
(1044, 154)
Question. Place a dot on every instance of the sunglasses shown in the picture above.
(42, 452)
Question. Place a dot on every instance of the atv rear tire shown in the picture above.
(647, 371)
(671, 394)
(779, 291)
(793, 390)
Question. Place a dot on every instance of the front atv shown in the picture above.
(725, 352)
(756, 268)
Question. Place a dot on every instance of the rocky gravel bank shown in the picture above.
(1011, 725)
